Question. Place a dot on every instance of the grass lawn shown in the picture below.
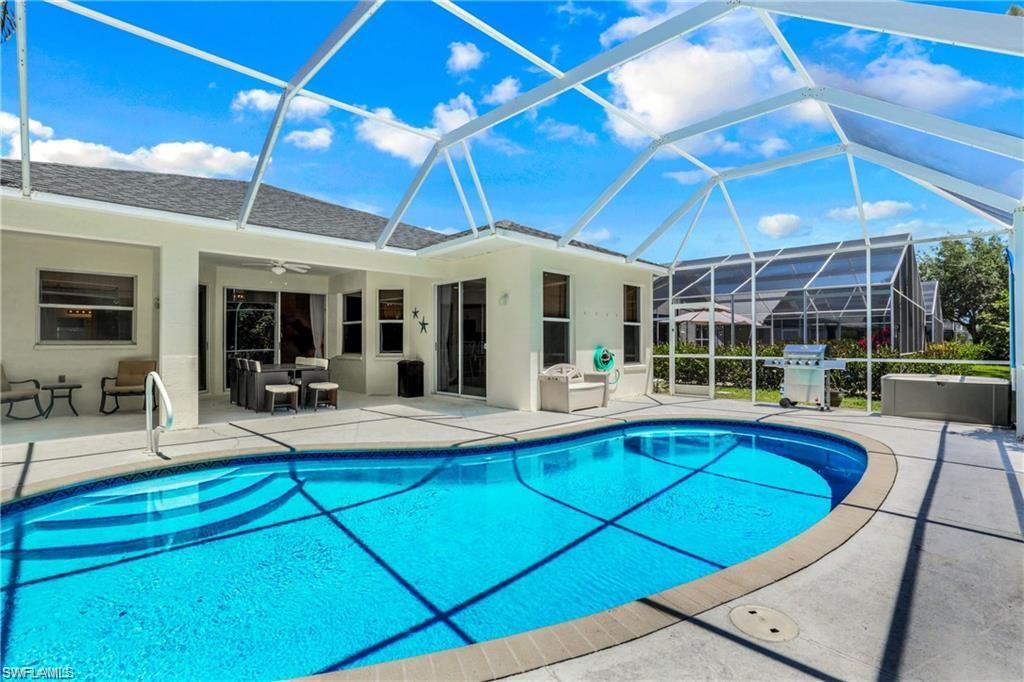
(767, 396)
(994, 371)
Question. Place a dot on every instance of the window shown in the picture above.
(630, 324)
(86, 308)
(556, 319)
(352, 323)
(390, 318)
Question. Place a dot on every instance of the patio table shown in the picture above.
(68, 389)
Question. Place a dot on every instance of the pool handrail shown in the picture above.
(153, 435)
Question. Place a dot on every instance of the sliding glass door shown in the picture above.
(462, 338)
(272, 326)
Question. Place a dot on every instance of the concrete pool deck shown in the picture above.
(929, 588)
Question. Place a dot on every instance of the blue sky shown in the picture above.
(102, 97)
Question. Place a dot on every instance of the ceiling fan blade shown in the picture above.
(295, 267)
(263, 264)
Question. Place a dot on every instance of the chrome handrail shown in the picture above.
(153, 435)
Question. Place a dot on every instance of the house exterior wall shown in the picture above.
(171, 258)
(22, 256)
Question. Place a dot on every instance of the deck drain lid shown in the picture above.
(764, 623)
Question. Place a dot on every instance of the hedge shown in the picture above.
(850, 381)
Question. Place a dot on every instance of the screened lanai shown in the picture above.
(806, 294)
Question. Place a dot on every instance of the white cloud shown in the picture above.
(318, 138)
(10, 126)
(558, 131)
(907, 75)
(393, 141)
(601, 234)
(860, 41)
(873, 210)
(446, 117)
(186, 158)
(690, 177)
(464, 57)
(301, 108)
(442, 230)
(771, 146)
(574, 12)
(779, 225)
(504, 90)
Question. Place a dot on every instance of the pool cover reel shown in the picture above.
(604, 361)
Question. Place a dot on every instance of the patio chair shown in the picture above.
(564, 388)
(310, 376)
(264, 387)
(129, 382)
(9, 395)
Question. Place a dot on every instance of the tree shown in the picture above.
(6, 22)
(972, 276)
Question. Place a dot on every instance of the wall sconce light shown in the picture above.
(503, 299)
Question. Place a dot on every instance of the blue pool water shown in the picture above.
(263, 569)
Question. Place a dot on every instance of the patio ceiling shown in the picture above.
(957, 184)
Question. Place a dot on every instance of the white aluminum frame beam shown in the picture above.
(341, 34)
(689, 230)
(958, 201)
(978, 30)
(232, 66)
(736, 219)
(609, 193)
(938, 178)
(479, 188)
(21, 30)
(972, 136)
(797, 159)
(798, 66)
(666, 31)
(410, 194)
(728, 118)
(671, 220)
(458, 189)
(511, 44)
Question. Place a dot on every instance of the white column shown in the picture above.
(671, 331)
(178, 363)
(1018, 312)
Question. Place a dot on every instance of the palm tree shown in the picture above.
(6, 22)
(1015, 11)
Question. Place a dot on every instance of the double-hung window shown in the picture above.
(556, 320)
(78, 307)
(630, 324)
(352, 323)
(390, 319)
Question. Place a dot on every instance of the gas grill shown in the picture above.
(806, 378)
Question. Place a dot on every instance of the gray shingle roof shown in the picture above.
(213, 198)
(222, 200)
(513, 226)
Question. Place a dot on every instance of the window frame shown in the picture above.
(570, 284)
(380, 337)
(344, 323)
(87, 342)
(638, 325)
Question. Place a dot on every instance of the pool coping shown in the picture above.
(533, 649)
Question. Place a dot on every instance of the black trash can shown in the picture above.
(410, 378)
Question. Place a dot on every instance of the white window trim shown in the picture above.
(569, 352)
(86, 343)
(638, 324)
(380, 352)
(344, 322)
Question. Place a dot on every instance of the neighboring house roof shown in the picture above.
(214, 198)
(222, 200)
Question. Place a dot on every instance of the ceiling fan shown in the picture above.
(279, 267)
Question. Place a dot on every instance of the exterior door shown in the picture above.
(462, 338)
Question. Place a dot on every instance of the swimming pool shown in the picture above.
(270, 567)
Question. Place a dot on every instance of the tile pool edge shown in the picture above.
(534, 649)
(526, 651)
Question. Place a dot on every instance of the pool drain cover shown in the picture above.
(764, 623)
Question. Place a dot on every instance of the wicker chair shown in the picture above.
(564, 388)
(10, 395)
(130, 381)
